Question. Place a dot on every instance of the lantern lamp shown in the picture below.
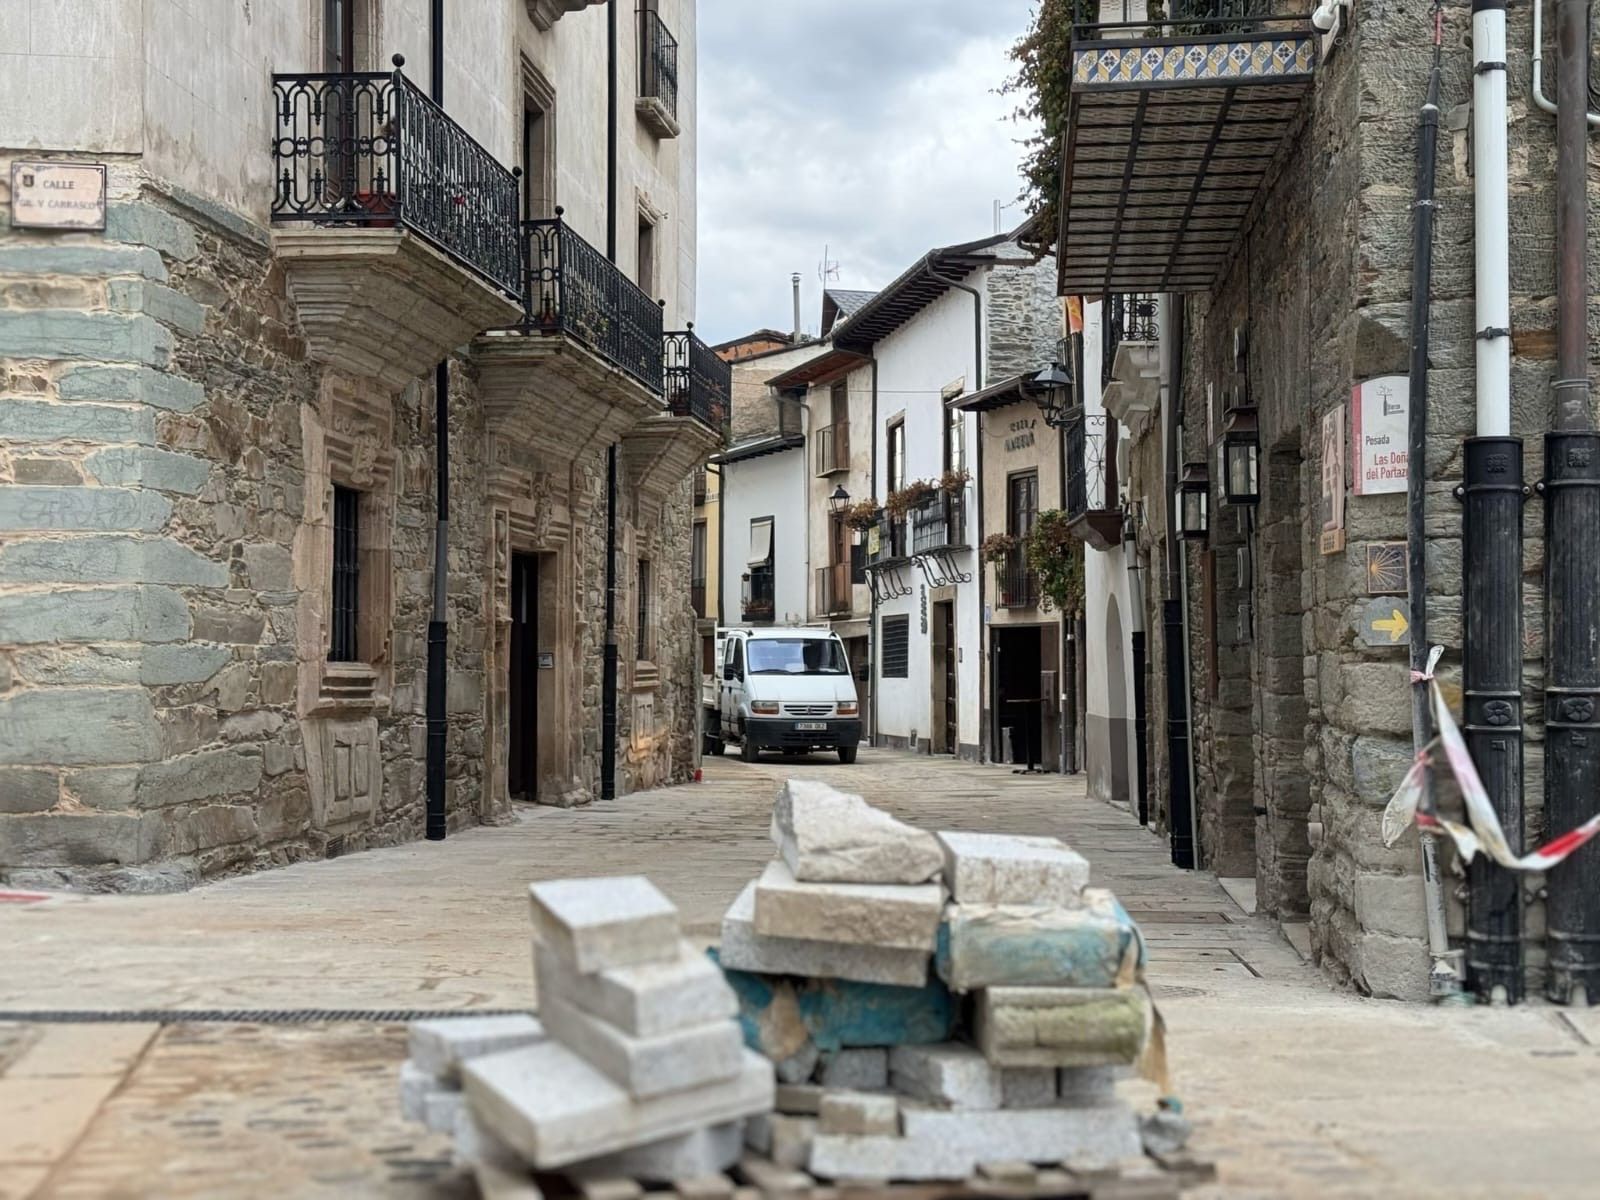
(839, 501)
(1052, 391)
(1241, 456)
(1194, 502)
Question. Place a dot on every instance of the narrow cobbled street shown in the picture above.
(1295, 1089)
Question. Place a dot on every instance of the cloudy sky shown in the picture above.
(867, 126)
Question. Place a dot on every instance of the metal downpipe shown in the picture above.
(436, 699)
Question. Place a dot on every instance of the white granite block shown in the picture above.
(500, 1183)
(791, 1140)
(992, 868)
(952, 1074)
(1036, 1135)
(607, 922)
(704, 1151)
(1088, 1085)
(646, 1000)
(553, 1108)
(829, 836)
(863, 1069)
(743, 949)
(440, 1045)
(475, 1143)
(427, 1099)
(689, 1058)
(1028, 1087)
(894, 916)
(804, 1099)
(859, 1113)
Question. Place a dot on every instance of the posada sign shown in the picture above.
(58, 195)
(1380, 414)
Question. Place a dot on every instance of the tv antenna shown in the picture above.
(827, 269)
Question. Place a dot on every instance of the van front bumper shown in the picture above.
(779, 733)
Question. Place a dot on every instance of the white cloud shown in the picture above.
(868, 126)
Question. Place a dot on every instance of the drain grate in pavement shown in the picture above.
(245, 1016)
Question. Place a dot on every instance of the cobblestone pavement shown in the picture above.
(1296, 1089)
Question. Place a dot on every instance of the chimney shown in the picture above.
(795, 280)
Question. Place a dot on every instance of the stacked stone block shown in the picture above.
(914, 1038)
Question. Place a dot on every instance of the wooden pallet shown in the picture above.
(1159, 1177)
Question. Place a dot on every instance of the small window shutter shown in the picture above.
(760, 543)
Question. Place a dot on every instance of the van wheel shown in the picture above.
(847, 754)
(748, 750)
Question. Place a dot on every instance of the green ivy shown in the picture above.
(1042, 88)
(1056, 557)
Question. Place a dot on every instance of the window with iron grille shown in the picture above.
(643, 614)
(346, 575)
(896, 647)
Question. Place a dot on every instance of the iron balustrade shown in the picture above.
(1088, 454)
(1017, 585)
(699, 384)
(891, 541)
(658, 62)
(697, 598)
(1126, 318)
(759, 595)
(571, 289)
(939, 523)
(369, 149)
(833, 448)
(1151, 18)
(834, 593)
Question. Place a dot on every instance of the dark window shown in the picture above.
(955, 444)
(1022, 503)
(647, 257)
(346, 575)
(858, 563)
(839, 402)
(643, 614)
(897, 455)
(338, 36)
(538, 144)
(896, 647)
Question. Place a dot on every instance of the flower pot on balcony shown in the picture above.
(379, 207)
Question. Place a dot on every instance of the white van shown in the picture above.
(782, 689)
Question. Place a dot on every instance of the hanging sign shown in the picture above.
(1332, 506)
(1380, 415)
(58, 195)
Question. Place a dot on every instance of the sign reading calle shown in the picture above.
(1380, 411)
(58, 195)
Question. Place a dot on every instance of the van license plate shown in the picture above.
(811, 726)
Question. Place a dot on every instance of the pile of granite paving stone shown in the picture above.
(884, 1004)
(932, 1003)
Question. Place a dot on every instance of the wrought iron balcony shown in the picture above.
(1093, 511)
(371, 150)
(833, 448)
(1015, 585)
(834, 594)
(571, 289)
(395, 229)
(890, 543)
(1126, 318)
(759, 596)
(1177, 112)
(657, 105)
(939, 523)
(697, 597)
(698, 383)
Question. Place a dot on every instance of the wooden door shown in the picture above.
(522, 733)
(944, 660)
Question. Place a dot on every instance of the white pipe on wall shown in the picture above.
(1492, 255)
(1536, 84)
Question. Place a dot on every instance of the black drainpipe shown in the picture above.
(1572, 551)
(439, 625)
(873, 663)
(608, 678)
(1180, 814)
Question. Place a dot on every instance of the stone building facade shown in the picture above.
(1300, 725)
(218, 436)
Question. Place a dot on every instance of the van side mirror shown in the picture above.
(730, 673)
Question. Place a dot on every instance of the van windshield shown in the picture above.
(796, 656)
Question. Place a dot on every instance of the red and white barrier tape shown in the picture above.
(1485, 836)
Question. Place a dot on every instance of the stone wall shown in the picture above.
(166, 458)
(1023, 318)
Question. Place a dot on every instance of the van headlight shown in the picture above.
(764, 708)
(847, 708)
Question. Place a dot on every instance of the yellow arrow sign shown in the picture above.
(1395, 626)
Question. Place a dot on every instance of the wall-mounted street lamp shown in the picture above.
(1051, 390)
(1194, 495)
(839, 501)
(1241, 455)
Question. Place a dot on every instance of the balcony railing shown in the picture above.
(1130, 318)
(833, 448)
(1141, 18)
(1093, 509)
(939, 523)
(572, 289)
(1016, 585)
(697, 597)
(698, 383)
(759, 594)
(834, 595)
(369, 149)
(658, 62)
(891, 541)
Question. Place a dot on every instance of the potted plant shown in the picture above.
(903, 499)
(862, 515)
(1056, 557)
(954, 480)
(997, 547)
